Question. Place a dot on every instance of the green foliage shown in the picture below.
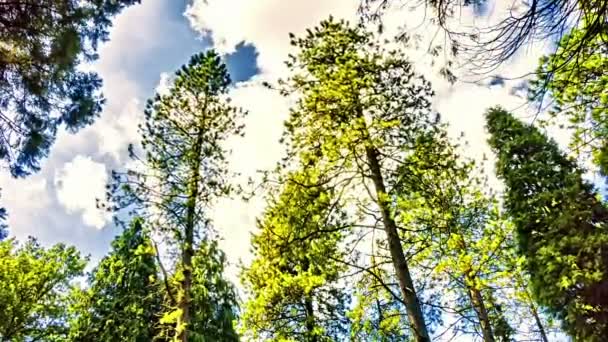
(214, 300)
(378, 315)
(579, 90)
(293, 281)
(123, 300)
(42, 44)
(561, 225)
(35, 290)
(182, 142)
(183, 172)
(360, 110)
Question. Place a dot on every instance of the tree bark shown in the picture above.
(406, 285)
(539, 323)
(477, 300)
(482, 313)
(188, 243)
(310, 318)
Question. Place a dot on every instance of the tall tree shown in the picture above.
(293, 282)
(360, 109)
(184, 169)
(561, 225)
(42, 44)
(123, 299)
(35, 290)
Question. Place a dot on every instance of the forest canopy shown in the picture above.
(374, 224)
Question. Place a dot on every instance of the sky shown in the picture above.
(149, 41)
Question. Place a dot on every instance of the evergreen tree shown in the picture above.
(294, 279)
(561, 225)
(214, 301)
(34, 290)
(123, 300)
(359, 111)
(42, 44)
(184, 171)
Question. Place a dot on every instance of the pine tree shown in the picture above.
(561, 225)
(123, 299)
(293, 281)
(184, 170)
(42, 44)
(360, 109)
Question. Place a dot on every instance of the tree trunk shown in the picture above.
(539, 323)
(477, 300)
(188, 243)
(310, 318)
(482, 313)
(406, 285)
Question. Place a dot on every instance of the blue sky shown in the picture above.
(150, 41)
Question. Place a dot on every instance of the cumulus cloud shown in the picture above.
(264, 23)
(78, 184)
(258, 150)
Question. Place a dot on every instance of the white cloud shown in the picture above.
(116, 129)
(265, 23)
(78, 184)
(164, 85)
(258, 150)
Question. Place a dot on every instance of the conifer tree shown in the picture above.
(183, 172)
(294, 279)
(360, 109)
(42, 44)
(561, 225)
(123, 300)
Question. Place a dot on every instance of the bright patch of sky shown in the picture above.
(151, 40)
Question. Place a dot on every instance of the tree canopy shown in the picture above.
(42, 85)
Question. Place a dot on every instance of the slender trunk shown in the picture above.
(477, 300)
(482, 313)
(406, 285)
(188, 243)
(310, 318)
(539, 323)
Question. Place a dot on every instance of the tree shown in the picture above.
(214, 299)
(293, 282)
(561, 225)
(184, 169)
(360, 111)
(123, 299)
(35, 289)
(41, 88)
(456, 230)
(578, 91)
